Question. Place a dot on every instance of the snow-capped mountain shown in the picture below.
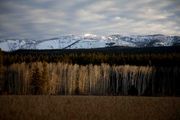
(90, 41)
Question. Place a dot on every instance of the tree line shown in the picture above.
(164, 56)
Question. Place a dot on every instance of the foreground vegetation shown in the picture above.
(68, 79)
(88, 108)
(105, 71)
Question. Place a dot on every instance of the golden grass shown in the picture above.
(89, 108)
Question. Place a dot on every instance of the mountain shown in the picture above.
(90, 41)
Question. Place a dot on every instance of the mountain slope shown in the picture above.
(90, 41)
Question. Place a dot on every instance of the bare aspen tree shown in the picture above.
(92, 79)
(45, 81)
(77, 79)
(82, 79)
(60, 86)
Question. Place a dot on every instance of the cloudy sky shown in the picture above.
(47, 18)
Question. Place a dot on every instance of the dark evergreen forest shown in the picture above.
(153, 56)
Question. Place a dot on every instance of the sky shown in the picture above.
(49, 18)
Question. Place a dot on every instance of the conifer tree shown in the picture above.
(1, 62)
(36, 82)
(1, 71)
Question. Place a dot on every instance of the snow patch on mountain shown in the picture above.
(90, 41)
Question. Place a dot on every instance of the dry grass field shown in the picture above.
(89, 108)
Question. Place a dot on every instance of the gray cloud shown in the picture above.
(46, 18)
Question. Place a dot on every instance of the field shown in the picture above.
(89, 108)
